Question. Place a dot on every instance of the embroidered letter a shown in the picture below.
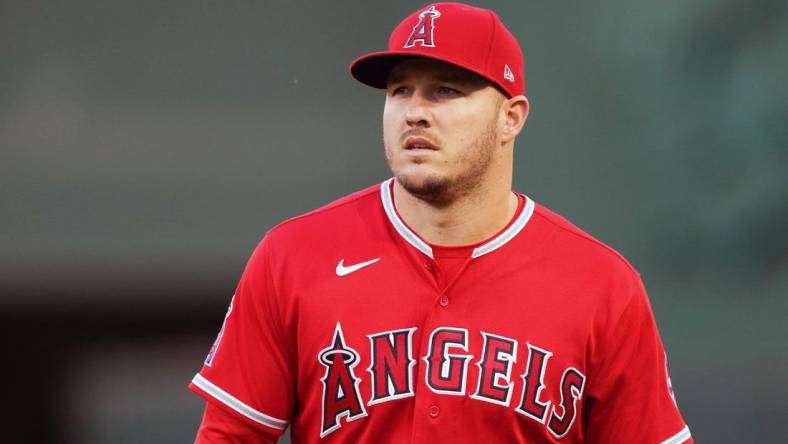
(340, 384)
(422, 32)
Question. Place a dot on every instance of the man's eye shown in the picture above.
(399, 90)
(447, 90)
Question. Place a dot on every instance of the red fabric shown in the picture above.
(546, 337)
(450, 260)
(221, 427)
(467, 36)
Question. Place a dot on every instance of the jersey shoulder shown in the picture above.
(346, 214)
(606, 280)
(583, 248)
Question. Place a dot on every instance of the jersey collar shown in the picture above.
(418, 243)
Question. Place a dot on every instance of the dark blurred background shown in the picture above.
(145, 148)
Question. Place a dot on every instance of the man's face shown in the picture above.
(441, 128)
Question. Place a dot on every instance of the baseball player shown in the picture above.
(440, 306)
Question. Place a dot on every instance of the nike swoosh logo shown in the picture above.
(343, 270)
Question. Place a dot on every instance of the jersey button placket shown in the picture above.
(435, 272)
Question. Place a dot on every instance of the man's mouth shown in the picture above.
(415, 143)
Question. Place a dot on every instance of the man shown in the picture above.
(440, 306)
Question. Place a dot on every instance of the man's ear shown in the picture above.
(515, 112)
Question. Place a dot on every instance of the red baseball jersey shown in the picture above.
(345, 327)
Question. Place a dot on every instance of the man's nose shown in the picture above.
(418, 112)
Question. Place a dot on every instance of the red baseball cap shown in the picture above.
(469, 37)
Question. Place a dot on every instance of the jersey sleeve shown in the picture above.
(630, 397)
(250, 371)
(221, 427)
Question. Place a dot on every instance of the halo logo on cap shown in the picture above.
(468, 37)
(422, 32)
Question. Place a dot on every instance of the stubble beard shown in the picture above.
(442, 190)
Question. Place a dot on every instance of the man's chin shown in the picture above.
(432, 189)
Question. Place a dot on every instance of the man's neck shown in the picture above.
(468, 220)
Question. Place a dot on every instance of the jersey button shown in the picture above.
(434, 411)
(429, 266)
(444, 300)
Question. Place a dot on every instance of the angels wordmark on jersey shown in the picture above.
(540, 334)
(446, 372)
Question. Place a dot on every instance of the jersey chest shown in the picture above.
(394, 339)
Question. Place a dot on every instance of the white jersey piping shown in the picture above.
(399, 225)
(414, 239)
(238, 405)
(509, 233)
(679, 437)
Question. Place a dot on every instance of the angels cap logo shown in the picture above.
(422, 32)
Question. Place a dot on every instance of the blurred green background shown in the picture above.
(145, 148)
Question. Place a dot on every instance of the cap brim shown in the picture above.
(373, 69)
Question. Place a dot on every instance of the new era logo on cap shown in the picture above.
(463, 35)
(507, 73)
